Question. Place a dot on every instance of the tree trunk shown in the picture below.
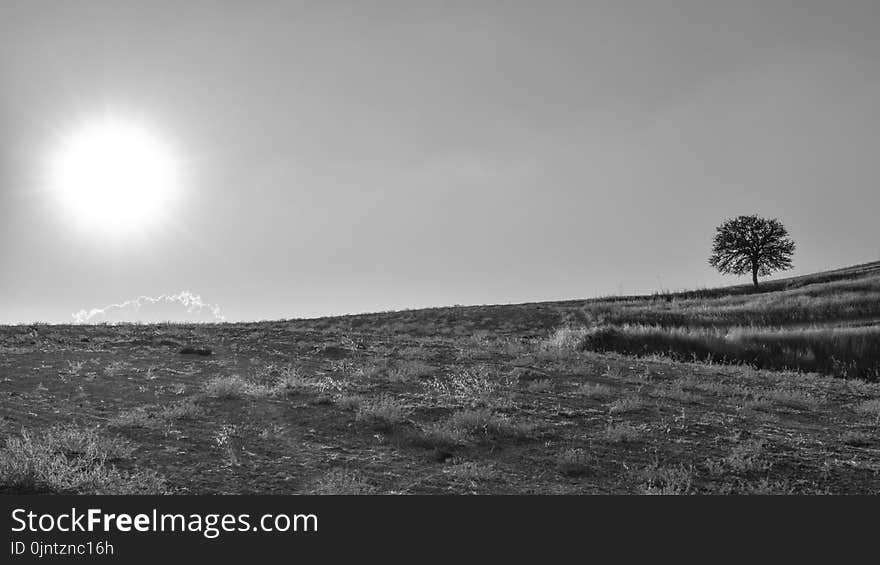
(755, 274)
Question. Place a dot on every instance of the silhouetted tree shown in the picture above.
(751, 244)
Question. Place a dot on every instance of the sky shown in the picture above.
(340, 157)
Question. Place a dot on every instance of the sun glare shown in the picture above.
(114, 174)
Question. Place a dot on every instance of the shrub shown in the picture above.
(746, 457)
(667, 480)
(566, 339)
(289, 382)
(68, 460)
(472, 387)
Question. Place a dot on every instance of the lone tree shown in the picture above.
(751, 244)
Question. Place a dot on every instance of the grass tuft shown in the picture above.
(382, 413)
(342, 482)
(575, 463)
(234, 387)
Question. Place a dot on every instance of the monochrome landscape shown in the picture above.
(717, 391)
(440, 247)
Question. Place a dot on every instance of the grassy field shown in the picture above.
(714, 391)
(827, 323)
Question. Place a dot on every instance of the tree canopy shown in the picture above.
(750, 244)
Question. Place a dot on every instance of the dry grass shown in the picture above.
(69, 460)
(869, 407)
(342, 482)
(790, 399)
(857, 438)
(629, 403)
(473, 471)
(747, 457)
(621, 433)
(849, 352)
(676, 391)
(663, 480)
(153, 417)
(383, 412)
(487, 399)
(575, 462)
(565, 339)
(825, 323)
(473, 387)
(811, 302)
(290, 381)
(475, 425)
(595, 390)
(232, 387)
(410, 370)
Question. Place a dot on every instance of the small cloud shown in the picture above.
(182, 307)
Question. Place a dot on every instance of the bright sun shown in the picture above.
(114, 174)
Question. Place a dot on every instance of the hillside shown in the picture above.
(712, 391)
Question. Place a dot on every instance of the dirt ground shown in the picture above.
(449, 401)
